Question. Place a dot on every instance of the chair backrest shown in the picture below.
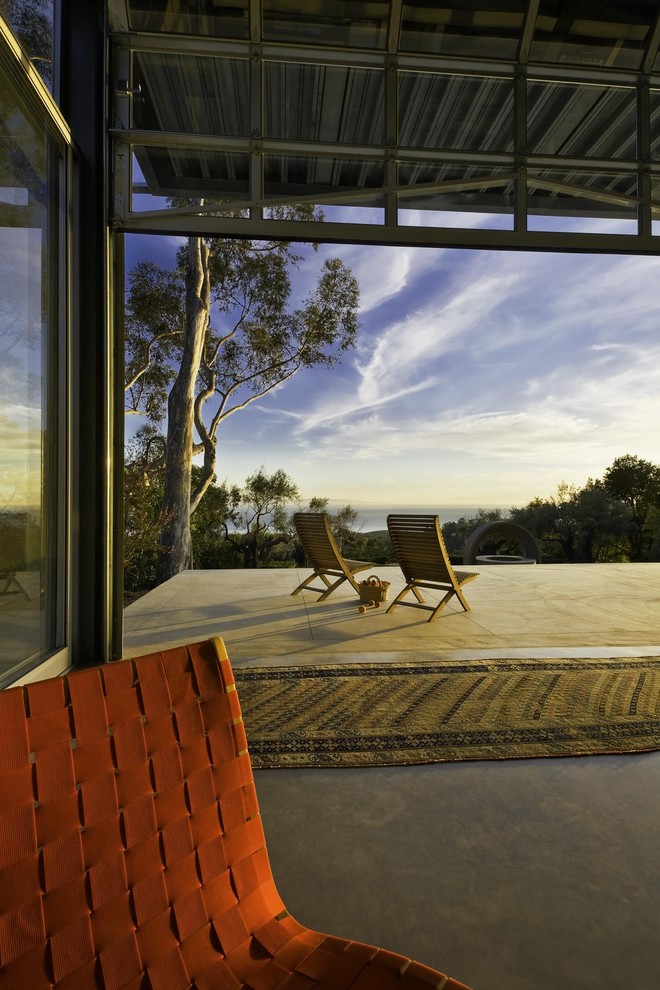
(131, 848)
(419, 547)
(317, 541)
(13, 547)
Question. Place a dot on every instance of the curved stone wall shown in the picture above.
(526, 540)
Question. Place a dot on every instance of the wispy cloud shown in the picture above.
(487, 376)
(542, 364)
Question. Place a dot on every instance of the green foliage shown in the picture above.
(613, 519)
(378, 547)
(205, 340)
(211, 549)
(256, 340)
(143, 513)
(636, 483)
(456, 532)
(154, 331)
(144, 473)
(260, 518)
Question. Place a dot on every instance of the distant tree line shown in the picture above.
(614, 518)
(234, 526)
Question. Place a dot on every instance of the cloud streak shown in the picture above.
(529, 362)
(486, 376)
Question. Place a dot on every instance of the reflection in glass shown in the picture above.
(581, 121)
(593, 33)
(588, 202)
(349, 23)
(463, 113)
(32, 23)
(214, 18)
(192, 94)
(655, 204)
(344, 182)
(335, 104)
(163, 176)
(483, 30)
(31, 256)
(448, 194)
(655, 124)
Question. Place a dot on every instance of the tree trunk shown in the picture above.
(175, 538)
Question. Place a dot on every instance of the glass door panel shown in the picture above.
(32, 332)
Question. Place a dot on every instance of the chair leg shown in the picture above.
(434, 611)
(461, 598)
(450, 593)
(311, 578)
(303, 584)
(409, 587)
(398, 598)
(12, 586)
(349, 577)
(331, 587)
(441, 605)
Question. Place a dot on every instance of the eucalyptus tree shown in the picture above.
(219, 331)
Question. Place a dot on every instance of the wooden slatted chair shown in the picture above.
(422, 556)
(13, 553)
(324, 555)
(132, 855)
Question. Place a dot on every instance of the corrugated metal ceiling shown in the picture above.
(265, 101)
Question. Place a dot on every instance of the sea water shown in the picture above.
(373, 515)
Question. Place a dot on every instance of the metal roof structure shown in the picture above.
(472, 123)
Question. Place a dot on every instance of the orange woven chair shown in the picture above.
(132, 855)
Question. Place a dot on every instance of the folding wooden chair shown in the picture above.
(324, 555)
(422, 556)
(12, 559)
(132, 855)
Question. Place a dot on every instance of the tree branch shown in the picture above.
(221, 415)
(149, 358)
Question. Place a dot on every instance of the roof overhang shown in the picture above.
(474, 123)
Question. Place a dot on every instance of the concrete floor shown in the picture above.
(509, 875)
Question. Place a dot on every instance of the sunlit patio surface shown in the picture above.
(516, 610)
(526, 874)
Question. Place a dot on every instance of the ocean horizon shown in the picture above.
(373, 515)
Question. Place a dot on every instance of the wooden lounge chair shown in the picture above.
(324, 555)
(422, 556)
(12, 559)
(133, 855)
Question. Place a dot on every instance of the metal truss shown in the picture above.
(506, 187)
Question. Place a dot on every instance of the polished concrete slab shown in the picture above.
(509, 875)
(516, 875)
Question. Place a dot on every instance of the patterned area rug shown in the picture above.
(358, 714)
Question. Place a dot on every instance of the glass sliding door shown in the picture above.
(33, 385)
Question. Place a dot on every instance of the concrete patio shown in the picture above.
(551, 610)
(511, 875)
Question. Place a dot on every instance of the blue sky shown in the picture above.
(480, 378)
(21, 386)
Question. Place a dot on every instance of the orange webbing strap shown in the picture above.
(132, 855)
